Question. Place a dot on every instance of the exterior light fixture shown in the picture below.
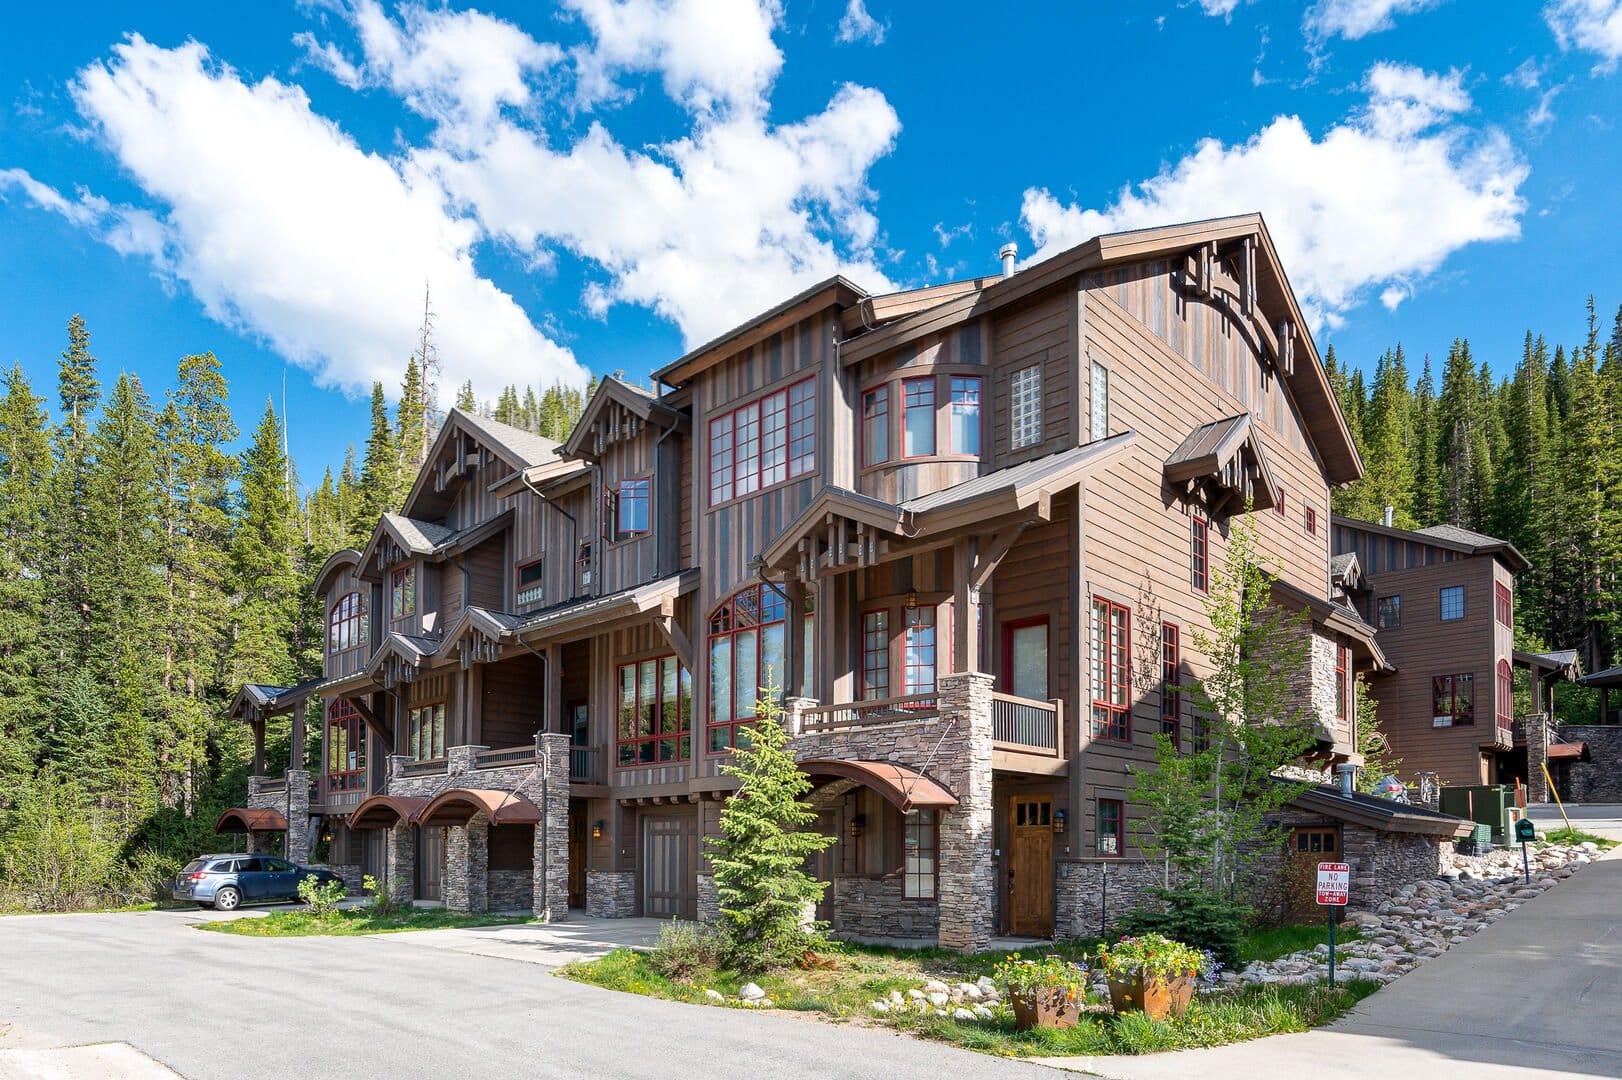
(597, 830)
(912, 599)
(856, 824)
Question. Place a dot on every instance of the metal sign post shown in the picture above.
(1526, 832)
(1334, 887)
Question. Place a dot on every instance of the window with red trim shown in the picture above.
(403, 592)
(1453, 700)
(655, 712)
(1170, 699)
(918, 417)
(764, 442)
(918, 650)
(1504, 708)
(1198, 549)
(628, 509)
(1278, 507)
(965, 414)
(1504, 602)
(1111, 828)
(876, 654)
(346, 747)
(1311, 521)
(746, 658)
(876, 425)
(1343, 682)
(1112, 671)
(348, 626)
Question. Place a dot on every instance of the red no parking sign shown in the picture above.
(1334, 883)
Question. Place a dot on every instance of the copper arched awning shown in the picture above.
(456, 806)
(906, 788)
(247, 819)
(382, 811)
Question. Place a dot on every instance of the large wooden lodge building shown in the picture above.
(967, 530)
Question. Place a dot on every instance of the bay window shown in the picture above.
(876, 426)
(918, 417)
(965, 414)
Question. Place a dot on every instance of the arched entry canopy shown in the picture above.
(247, 819)
(904, 788)
(382, 811)
(458, 805)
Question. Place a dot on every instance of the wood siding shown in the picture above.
(511, 701)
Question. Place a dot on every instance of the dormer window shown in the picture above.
(628, 509)
(403, 592)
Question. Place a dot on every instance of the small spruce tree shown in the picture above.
(760, 857)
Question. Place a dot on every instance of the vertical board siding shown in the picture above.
(1036, 333)
(627, 563)
(510, 706)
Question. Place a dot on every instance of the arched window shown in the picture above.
(1505, 709)
(746, 657)
(347, 625)
(346, 748)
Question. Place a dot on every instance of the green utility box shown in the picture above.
(1485, 804)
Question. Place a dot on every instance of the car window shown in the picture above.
(249, 866)
(221, 866)
(194, 866)
(278, 865)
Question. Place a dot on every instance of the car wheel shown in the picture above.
(227, 899)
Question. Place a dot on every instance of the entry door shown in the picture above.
(577, 853)
(669, 861)
(1308, 846)
(431, 863)
(1030, 865)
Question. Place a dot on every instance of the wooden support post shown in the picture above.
(295, 752)
(259, 745)
(794, 646)
(965, 643)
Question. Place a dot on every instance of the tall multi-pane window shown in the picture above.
(346, 747)
(1452, 603)
(919, 840)
(633, 507)
(1278, 507)
(1112, 670)
(918, 417)
(1504, 709)
(1389, 611)
(348, 626)
(876, 425)
(1170, 700)
(403, 592)
(1198, 550)
(876, 654)
(1111, 827)
(1025, 406)
(1310, 521)
(1343, 683)
(918, 650)
(746, 657)
(1453, 700)
(1503, 604)
(1100, 402)
(764, 442)
(965, 414)
(655, 712)
(425, 731)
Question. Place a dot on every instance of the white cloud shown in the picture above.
(1592, 25)
(1221, 8)
(1353, 19)
(285, 229)
(857, 25)
(128, 230)
(1376, 203)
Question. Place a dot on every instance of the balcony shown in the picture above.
(1025, 725)
(1027, 734)
(585, 764)
(857, 714)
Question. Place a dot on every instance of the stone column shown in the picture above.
(402, 862)
(794, 710)
(397, 764)
(467, 865)
(461, 759)
(967, 870)
(1537, 754)
(300, 829)
(550, 792)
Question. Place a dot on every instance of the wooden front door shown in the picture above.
(1030, 865)
(431, 863)
(1308, 846)
(669, 866)
(577, 853)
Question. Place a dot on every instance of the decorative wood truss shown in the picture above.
(1221, 466)
(1224, 275)
(617, 413)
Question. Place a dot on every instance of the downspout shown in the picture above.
(657, 443)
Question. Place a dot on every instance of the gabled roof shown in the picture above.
(492, 624)
(1379, 814)
(411, 648)
(1609, 678)
(1049, 473)
(1448, 537)
(257, 700)
(834, 291)
(517, 448)
(1344, 567)
(338, 560)
(1561, 663)
(584, 615)
(1335, 617)
(612, 391)
(1306, 379)
(1224, 462)
(417, 537)
(428, 539)
(524, 448)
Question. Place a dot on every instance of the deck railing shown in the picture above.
(583, 764)
(269, 784)
(501, 759)
(889, 710)
(1026, 724)
(424, 768)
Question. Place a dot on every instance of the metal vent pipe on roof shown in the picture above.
(1346, 773)
(1007, 253)
(1390, 516)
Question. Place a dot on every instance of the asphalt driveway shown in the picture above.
(214, 1005)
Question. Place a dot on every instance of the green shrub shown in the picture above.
(322, 899)
(686, 949)
(383, 902)
(1194, 917)
(60, 851)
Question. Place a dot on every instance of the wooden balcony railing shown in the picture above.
(889, 710)
(430, 767)
(1026, 724)
(268, 784)
(501, 759)
(585, 764)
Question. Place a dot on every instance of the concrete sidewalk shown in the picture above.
(1538, 992)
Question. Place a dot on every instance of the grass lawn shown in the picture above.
(857, 975)
(1577, 836)
(354, 921)
(1280, 941)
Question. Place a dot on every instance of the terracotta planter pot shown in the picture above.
(1044, 1008)
(1157, 998)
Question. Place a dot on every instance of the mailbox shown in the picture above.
(1525, 831)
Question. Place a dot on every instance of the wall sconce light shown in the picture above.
(1059, 817)
(597, 830)
(856, 824)
(912, 599)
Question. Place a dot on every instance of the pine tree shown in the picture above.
(1427, 502)
(1463, 458)
(25, 479)
(410, 425)
(266, 554)
(68, 517)
(465, 399)
(380, 475)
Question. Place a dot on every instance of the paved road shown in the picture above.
(1537, 993)
(1602, 819)
(212, 1005)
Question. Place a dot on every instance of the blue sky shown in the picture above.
(599, 186)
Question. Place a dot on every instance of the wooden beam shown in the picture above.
(666, 622)
(992, 554)
(381, 730)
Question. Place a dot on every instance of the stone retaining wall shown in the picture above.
(1090, 894)
(868, 907)
(1599, 780)
(511, 890)
(610, 894)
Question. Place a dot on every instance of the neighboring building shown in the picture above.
(967, 530)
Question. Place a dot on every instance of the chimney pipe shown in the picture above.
(1390, 516)
(1346, 773)
(1007, 253)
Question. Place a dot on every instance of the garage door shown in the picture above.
(669, 863)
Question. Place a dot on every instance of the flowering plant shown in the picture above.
(1051, 972)
(1153, 956)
